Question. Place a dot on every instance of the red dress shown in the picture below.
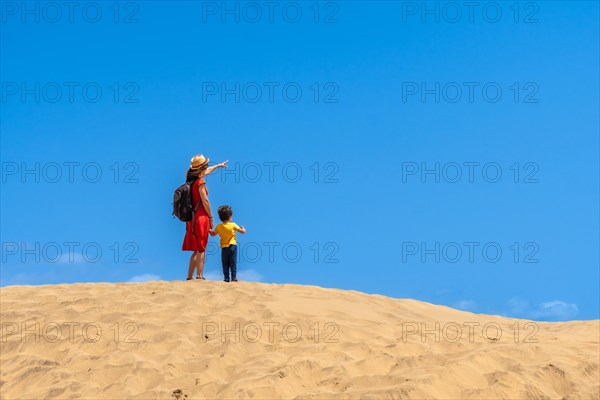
(196, 230)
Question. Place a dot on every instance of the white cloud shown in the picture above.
(555, 310)
(19, 279)
(465, 305)
(213, 275)
(518, 306)
(250, 275)
(145, 278)
(73, 258)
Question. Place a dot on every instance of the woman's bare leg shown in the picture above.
(200, 264)
(192, 266)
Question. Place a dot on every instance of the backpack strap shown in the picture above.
(197, 204)
(199, 200)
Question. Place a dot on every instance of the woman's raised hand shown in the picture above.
(223, 164)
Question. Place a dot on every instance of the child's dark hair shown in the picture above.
(224, 212)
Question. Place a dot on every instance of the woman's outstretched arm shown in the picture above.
(212, 169)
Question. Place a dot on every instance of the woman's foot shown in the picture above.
(200, 277)
(188, 279)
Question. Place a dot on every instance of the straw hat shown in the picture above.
(198, 161)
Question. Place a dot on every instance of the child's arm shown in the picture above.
(213, 232)
(241, 229)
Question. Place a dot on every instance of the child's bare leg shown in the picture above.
(192, 266)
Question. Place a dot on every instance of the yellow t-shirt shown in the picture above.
(226, 232)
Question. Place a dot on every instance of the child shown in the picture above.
(226, 232)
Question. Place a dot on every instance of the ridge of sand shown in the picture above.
(208, 340)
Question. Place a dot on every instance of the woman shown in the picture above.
(196, 230)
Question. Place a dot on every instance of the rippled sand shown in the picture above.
(209, 340)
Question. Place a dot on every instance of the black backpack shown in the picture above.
(182, 202)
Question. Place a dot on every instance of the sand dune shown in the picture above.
(208, 340)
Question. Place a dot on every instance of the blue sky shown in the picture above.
(371, 146)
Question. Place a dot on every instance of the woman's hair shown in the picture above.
(224, 212)
(195, 173)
